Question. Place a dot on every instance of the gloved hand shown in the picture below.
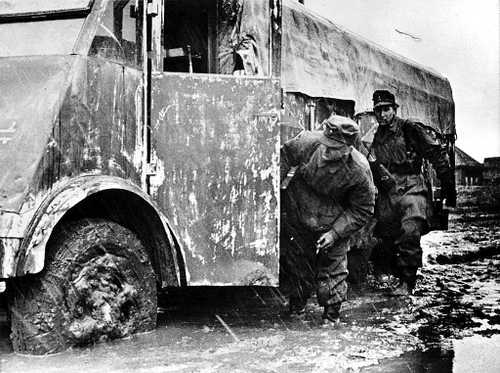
(387, 183)
(326, 240)
(330, 244)
(382, 177)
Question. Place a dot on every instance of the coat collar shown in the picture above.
(393, 127)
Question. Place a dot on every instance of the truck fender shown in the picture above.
(66, 196)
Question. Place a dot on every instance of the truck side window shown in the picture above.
(326, 106)
(118, 38)
(189, 36)
(214, 36)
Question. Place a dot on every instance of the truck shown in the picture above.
(139, 148)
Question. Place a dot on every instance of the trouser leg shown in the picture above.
(387, 230)
(297, 266)
(332, 275)
(383, 256)
(409, 251)
(361, 246)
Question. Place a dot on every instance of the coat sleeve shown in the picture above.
(359, 206)
(290, 154)
(428, 148)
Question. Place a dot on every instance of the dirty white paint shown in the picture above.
(11, 225)
(157, 179)
(114, 165)
(194, 205)
(137, 156)
(7, 133)
(261, 246)
(190, 244)
(10, 249)
(163, 112)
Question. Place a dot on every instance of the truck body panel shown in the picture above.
(215, 144)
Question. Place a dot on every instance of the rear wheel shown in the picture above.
(98, 283)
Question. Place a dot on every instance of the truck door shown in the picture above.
(214, 134)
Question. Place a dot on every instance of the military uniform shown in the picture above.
(402, 212)
(332, 191)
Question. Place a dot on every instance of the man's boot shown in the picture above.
(403, 289)
(296, 307)
(331, 315)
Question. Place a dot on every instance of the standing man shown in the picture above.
(328, 194)
(402, 207)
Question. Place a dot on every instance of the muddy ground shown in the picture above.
(451, 324)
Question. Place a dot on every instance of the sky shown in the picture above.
(458, 38)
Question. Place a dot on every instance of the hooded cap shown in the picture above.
(344, 130)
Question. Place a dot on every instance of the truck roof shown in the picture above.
(320, 59)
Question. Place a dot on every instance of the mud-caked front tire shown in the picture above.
(97, 284)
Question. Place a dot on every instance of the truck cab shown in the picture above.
(139, 151)
(139, 148)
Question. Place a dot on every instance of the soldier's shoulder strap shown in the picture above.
(433, 132)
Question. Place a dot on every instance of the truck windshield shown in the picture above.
(39, 38)
(34, 27)
(17, 8)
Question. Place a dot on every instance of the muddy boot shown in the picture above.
(296, 307)
(331, 315)
(403, 289)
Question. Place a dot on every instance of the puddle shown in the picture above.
(471, 354)
(477, 354)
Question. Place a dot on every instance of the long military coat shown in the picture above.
(332, 188)
(401, 148)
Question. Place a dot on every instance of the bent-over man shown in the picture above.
(328, 193)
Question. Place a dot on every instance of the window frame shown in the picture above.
(159, 29)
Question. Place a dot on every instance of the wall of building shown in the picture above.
(491, 172)
(468, 176)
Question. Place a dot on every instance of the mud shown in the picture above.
(451, 324)
(102, 300)
(477, 199)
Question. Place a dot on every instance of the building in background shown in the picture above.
(491, 170)
(468, 171)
